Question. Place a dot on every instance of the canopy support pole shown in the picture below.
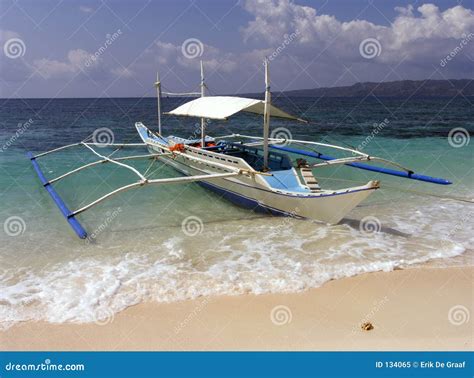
(266, 118)
(158, 99)
(203, 121)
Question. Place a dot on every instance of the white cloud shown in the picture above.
(122, 72)
(5, 35)
(325, 51)
(417, 38)
(214, 59)
(77, 60)
(85, 9)
(275, 18)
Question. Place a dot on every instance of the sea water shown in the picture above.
(177, 242)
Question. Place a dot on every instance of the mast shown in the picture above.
(266, 117)
(203, 121)
(158, 100)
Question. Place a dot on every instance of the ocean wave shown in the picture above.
(270, 258)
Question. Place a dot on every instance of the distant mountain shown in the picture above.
(404, 88)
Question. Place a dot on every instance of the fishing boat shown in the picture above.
(256, 172)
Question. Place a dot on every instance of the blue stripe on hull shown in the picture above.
(242, 201)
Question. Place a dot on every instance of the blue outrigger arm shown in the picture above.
(73, 222)
(387, 171)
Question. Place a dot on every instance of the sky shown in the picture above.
(114, 48)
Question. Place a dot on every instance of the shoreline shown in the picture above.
(425, 308)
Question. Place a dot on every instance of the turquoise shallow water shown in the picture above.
(178, 242)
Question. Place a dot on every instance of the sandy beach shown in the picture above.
(424, 308)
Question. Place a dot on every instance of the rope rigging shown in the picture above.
(417, 192)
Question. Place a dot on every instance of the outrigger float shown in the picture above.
(254, 172)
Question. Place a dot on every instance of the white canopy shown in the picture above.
(222, 107)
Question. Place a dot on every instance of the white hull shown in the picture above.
(254, 192)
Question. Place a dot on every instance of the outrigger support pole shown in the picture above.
(147, 156)
(387, 171)
(352, 162)
(73, 222)
(174, 180)
(70, 215)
